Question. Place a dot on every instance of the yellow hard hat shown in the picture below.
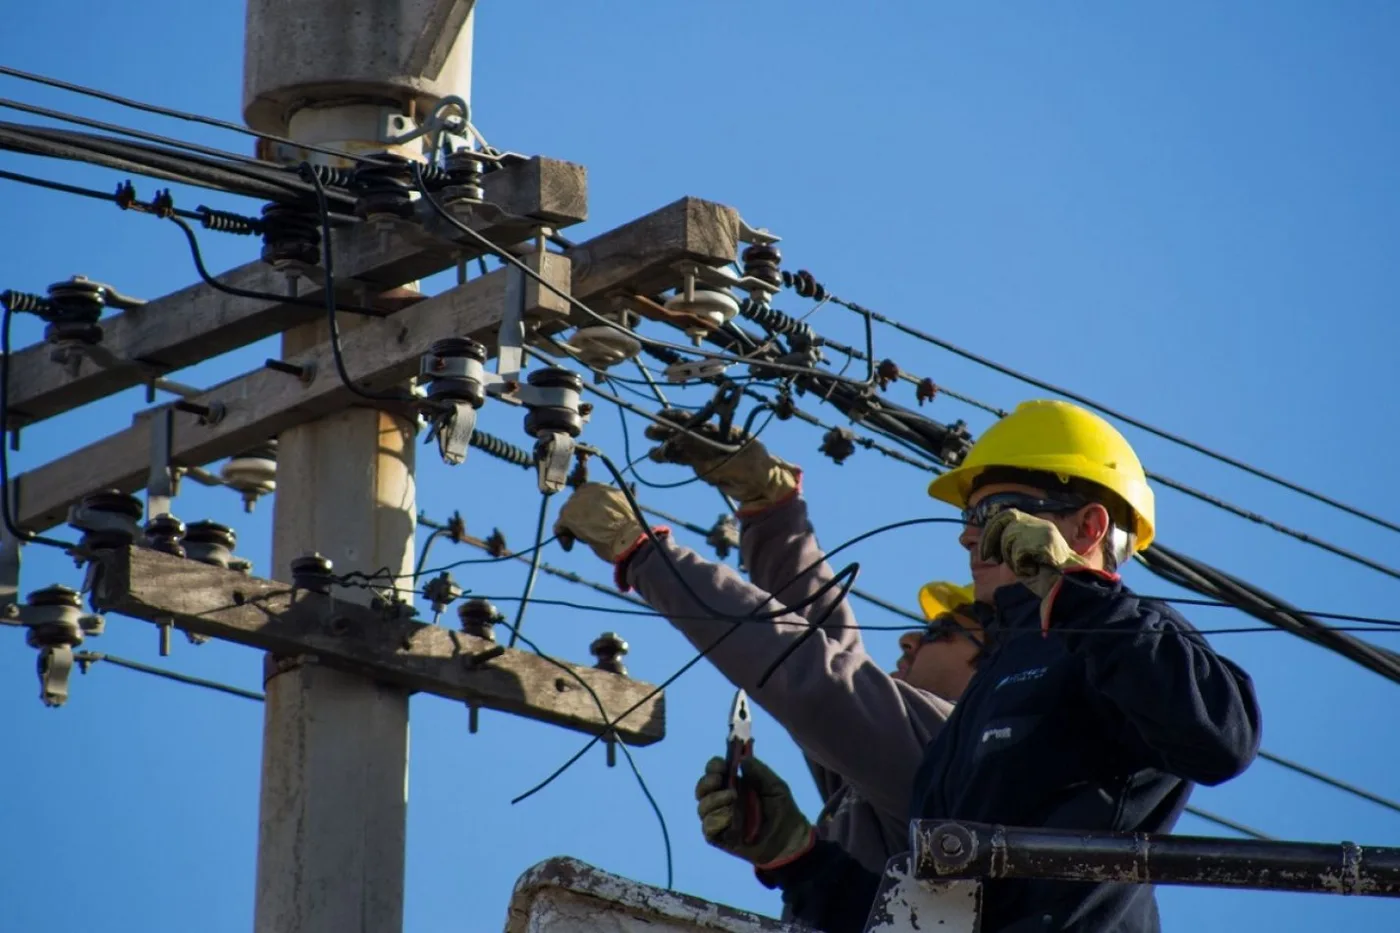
(940, 597)
(1060, 438)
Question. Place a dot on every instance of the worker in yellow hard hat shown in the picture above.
(1093, 708)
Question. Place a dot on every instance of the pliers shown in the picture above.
(739, 747)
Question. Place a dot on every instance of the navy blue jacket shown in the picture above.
(1103, 725)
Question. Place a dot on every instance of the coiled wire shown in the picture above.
(775, 321)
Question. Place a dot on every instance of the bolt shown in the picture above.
(950, 844)
(304, 373)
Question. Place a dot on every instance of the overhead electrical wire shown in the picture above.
(176, 114)
(1115, 414)
(86, 659)
(540, 524)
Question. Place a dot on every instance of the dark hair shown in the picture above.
(1120, 514)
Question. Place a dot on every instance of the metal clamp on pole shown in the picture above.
(455, 372)
(57, 624)
(554, 418)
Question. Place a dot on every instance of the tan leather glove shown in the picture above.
(752, 477)
(760, 822)
(1032, 547)
(599, 516)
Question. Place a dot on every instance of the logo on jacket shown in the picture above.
(1020, 677)
(1002, 732)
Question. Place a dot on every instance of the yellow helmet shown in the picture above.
(1060, 438)
(939, 597)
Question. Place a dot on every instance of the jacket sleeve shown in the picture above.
(830, 696)
(826, 889)
(780, 551)
(1181, 707)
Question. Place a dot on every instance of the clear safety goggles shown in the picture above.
(983, 512)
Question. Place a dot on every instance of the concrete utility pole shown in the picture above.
(332, 822)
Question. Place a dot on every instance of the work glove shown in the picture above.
(752, 477)
(600, 517)
(759, 822)
(1032, 547)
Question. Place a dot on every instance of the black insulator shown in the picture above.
(761, 262)
(804, 284)
(73, 309)
(210, 543)
(493, 446)
(228, 222)
(554, 418)
(609, 648)
(312, 572)
(163, 533)
(462, 177)
(118, 504)
(291, 232)
(384, 187)
(453, 386)
(775, 321)
(479, 618)
(56, 595)
(662, 354)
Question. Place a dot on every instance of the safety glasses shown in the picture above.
(946, 628)
(981, 513)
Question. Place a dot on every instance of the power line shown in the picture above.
(176, 114)
(1329, 780)
(86, 659)
(1114, 413)
(1230, 824)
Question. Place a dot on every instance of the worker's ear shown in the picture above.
(1091, 525)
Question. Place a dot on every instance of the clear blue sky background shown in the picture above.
(1187, 210)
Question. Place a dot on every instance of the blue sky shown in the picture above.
(1188, 211)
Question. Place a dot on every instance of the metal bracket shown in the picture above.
(510, 343)
(554, 452)
(453, 431)
(687, 370)
(54, 667)
(161, 485)
(9, 553)
(904, 904)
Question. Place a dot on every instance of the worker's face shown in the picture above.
(941, 658)
(1082, 528)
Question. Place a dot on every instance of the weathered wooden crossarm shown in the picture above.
(640, 256)
(258, 405)
(201, 322)
(262, 403)
(264, 614)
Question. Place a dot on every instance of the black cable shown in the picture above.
(506, 257)
(329, 289)
(88, 658)
(636, 771)
(8, 492)
(1329, 780)
(1219, 820)
(93, 193)
(423, 554)
(142, 135)
(260, 296)
(177, 114)
(540, 524)
(1118, 415)
(1275, 526)
(1206, 580)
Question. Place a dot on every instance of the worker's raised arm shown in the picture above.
(830, 696)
